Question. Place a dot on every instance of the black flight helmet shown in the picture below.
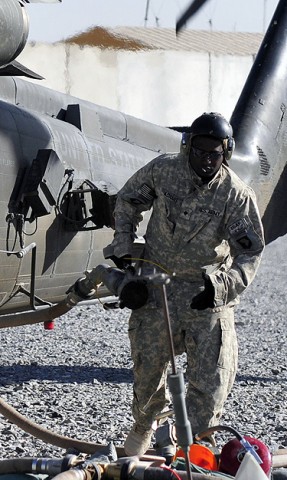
(214, 125)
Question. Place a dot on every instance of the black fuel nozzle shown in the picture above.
(133, 293)
(130, 287)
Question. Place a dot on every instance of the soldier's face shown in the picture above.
(206, 156)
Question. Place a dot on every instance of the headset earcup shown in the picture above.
(229, 146)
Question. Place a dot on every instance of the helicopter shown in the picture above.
(64, 159)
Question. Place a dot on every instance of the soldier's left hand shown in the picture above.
(205, 299)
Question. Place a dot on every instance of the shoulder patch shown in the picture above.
(238, 227)
(243, 233)
(245, 242)
(145, 194)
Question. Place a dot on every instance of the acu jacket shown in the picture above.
(194, 227)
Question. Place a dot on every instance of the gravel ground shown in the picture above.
(77, 381)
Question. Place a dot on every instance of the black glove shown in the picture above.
(122, 262)
(205, 299)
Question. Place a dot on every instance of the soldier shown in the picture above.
(205, 227)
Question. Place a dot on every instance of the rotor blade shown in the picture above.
(42, 1)
(191, 10)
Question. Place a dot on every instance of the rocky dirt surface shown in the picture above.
(77, 380)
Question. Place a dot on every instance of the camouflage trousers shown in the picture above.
(209, 339)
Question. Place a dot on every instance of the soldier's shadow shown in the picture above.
(64, 374)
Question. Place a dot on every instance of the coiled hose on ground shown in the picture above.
(47, 436)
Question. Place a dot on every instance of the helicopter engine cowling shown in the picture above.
(14, 29)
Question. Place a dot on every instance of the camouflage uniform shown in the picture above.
(194, 227)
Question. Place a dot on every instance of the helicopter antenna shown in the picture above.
(146, 13)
